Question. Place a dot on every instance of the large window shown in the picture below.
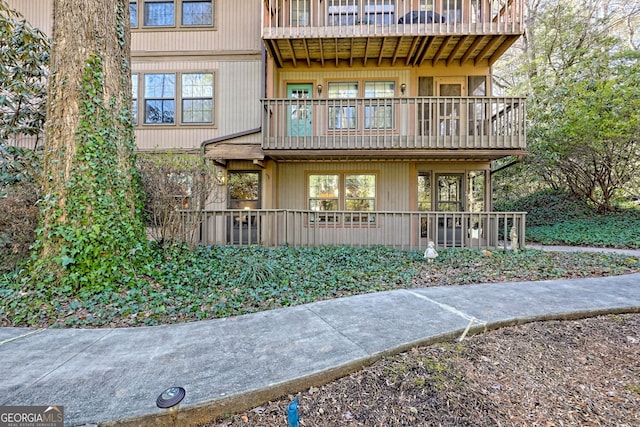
(164, 13)
(197, 98)
(168, 96)
(336, 191)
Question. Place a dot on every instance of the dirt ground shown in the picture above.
(548, 374)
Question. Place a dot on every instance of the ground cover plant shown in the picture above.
(556, 218)
(184, 284)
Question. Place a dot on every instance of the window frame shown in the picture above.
(178, 16)
(359, 111)
(184, 98)
(342, 199)
(161, 98)
(178, 98)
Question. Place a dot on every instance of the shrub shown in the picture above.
(547, 207)
(18, 222)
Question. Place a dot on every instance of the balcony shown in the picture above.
(432, 127)
(401, 230)
(393, 32)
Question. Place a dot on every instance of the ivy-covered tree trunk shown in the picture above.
(90, 213)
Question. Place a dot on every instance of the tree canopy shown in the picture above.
(579, 64)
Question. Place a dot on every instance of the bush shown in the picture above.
(18, 222)
(177, 187)
(547, 207)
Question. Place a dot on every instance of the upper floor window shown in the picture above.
(159, 98)
(159, 13)
(342, 114)
(378, 114)
(197, 98)
(198, 12)
(133, 13)
(134, 96)
(350, 12)
(166, 13)
(188, 96)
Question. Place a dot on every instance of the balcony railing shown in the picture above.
(467, 123)
(401, 230)
(340, 18)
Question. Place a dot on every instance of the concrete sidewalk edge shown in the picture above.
(202, 413)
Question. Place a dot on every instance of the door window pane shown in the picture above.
(159, 98)
(244, 190)
(197, 98)
(159, 13)
(197, 12)
(449, 193)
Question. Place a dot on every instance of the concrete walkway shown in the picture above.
(113, 376)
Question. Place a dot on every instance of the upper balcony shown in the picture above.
(395, 32)
(406, 127)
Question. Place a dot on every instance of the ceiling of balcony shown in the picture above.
(401, 50)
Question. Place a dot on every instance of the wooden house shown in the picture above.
(357, 122)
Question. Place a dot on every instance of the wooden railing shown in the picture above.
(401, 230)
(394, 123)
(333, 18)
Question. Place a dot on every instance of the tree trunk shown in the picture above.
(90, 221)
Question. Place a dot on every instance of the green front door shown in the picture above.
(299, 112)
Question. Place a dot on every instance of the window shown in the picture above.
(378, 12)
(424, 191)
(360, 195)
(159, 98)
(378, 114)
(163, 13)
(133, 14)
(159, 13)
(134, 97)
(197, 98)
(188, 96)
(300, 11)
(424, 200)
(324, 195)
(342, 12)
(196, 13)
(353, 192)
(342, 114)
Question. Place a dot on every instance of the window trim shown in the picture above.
(141, 121)
(362, 218)
(361, 104)
(178, 18)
